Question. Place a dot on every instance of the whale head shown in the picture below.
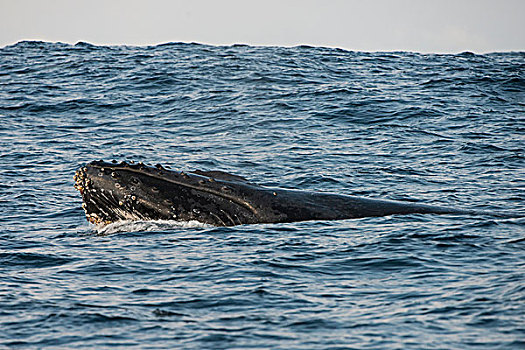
(114, 191)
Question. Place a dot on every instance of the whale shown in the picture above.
(117, 191)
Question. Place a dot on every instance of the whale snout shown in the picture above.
(107, 192)
(114, 191)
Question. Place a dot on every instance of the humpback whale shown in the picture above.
(114, 191)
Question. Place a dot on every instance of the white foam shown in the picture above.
(147, 225)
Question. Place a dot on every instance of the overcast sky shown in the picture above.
(369, 25)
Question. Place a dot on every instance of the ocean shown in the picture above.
(439, 129)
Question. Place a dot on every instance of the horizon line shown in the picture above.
(336, 47)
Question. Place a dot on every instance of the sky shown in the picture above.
(439, 26)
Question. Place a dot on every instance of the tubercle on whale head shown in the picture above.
(158, 168)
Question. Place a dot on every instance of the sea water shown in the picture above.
(444, 130)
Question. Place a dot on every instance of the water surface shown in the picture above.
(441, 129)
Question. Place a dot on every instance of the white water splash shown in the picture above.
(147, 225)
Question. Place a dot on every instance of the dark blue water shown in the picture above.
(441, 129)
